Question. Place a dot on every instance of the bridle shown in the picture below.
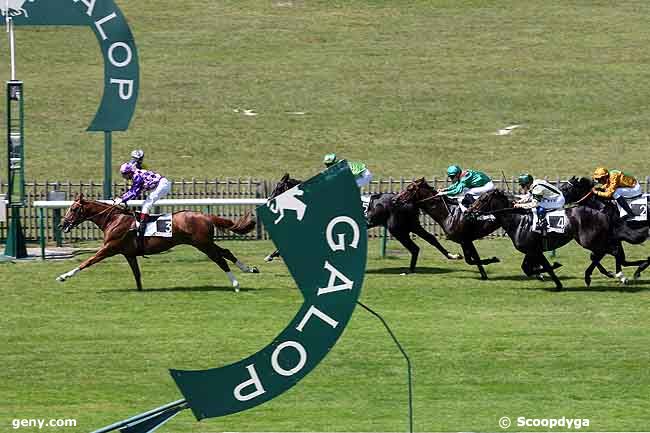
(83, 217)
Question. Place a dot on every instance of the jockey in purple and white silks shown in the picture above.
(143, 180)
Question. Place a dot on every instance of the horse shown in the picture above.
(400, 219)
(448, 214)
(285, 184)
(588, 227)
(188, 228)
(578, 191)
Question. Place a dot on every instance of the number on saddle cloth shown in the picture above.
(160, 227)
(639, 206)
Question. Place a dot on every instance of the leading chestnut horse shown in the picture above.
(189, 228)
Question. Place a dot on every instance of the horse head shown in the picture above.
(490, 201)
(576, 188)
(76, 214)
(286, 183)
(415, 192)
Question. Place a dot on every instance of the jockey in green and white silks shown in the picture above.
(361, 173)
(539, 193)
(464, 182)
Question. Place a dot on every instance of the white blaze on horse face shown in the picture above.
(340, 246)
(288, 201)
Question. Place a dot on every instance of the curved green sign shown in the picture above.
(319, 228)
(121, 68)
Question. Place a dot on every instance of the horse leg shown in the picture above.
(133, 262)
(216, 255)
(641, 268)
(472, 258)
(224, 252)
(595, 261)
(271, 256)
(411, 246)
(541, 258)
(100, 255)
(431, 239)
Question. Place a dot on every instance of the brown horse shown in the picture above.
(189, 228)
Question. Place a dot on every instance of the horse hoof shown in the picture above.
(624, 281)
(60, 278)
(636, 276)
(540, 277)
(268, 259)
(452, 256)
(588, 282)
(556, 265)
(254, 270)
(496, 260)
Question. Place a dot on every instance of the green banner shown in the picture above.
(121, 67)
(319, 228)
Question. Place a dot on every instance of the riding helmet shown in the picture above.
(137, 154)
(525, 179)
(453, 171)
(329, 159)
(127, 168)
(600, 173)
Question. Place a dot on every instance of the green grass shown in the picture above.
(96, 350)
(408, 87)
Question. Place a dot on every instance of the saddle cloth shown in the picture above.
(365, 202)
(161, 227)
(555, 221)
(639, 206)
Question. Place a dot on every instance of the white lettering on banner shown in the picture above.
(318, 313)
(90, 4)
(301, 363)
(101, 22)
(340, 246)
(334, 274)
(126, 88)
(253, 381)
(111, 58)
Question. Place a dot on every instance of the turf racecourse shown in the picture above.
(96, 350)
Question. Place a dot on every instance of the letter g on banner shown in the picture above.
(322, 237)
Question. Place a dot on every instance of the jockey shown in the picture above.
(466, 182)
(361, 173)
(137, 156)
(617, 185)
(143, 180)
(539, 195)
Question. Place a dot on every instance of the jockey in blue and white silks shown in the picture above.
(143, 180)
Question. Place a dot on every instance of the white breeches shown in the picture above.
(364, 179)
(480, 189)
(159, 192)
(628, 192)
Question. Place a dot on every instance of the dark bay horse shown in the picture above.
(400, 219)
(590, 228)
(189, 228)
(578, 191)
(448, 214)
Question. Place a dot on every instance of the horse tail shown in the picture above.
(241, 226)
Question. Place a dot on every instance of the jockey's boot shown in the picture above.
(542, 226)
(626, 207)
(141, 229)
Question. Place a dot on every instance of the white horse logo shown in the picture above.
(13, 5)
(288, 200)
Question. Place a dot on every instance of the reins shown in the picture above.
(88, 218)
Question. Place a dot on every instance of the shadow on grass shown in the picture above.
(419, 270)
(147, 290)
